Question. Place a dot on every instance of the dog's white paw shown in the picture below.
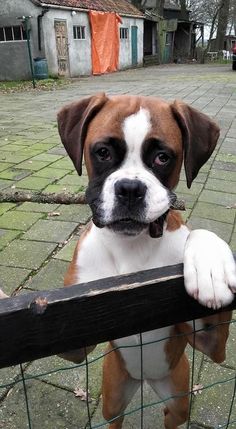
(3, 295)
(209, 269)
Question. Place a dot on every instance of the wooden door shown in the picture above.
(62, 47)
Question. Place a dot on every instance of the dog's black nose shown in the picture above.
(130, 191)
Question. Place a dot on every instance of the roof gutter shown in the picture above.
(54, 6)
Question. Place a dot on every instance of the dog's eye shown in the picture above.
(103, 154)
(161, 159)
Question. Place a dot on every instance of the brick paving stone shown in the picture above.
(221, 198)
(222, 229)
(75, 376)
(5, 165)
(12, 278)
(194, 190)
(226, 157)
(37, 207)
(8, 376)
(227, 166)
(29, 152)
(43, 146)
(214, 212)
(74, 179)
(12, 157)
(4, 207)
(57, 150)
(65, 164)
(34, 183)
(67, 252)
(26, 254)
(32, 165)
(220, 185)
(79, 213)
(12, 147)
(50, 408)
(51, 276)
(6, 236)
(223, 175)
(53, 173)
(14, 174)
(54, 231)
(233, 242)
(231, 345)
(4, 184)
(211, 408)
(64, 188)
(46, 157)
(18, 220)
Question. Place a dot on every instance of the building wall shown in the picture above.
(79, 51)
(14, 56)
(125, 57)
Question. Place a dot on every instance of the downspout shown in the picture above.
(39, 22)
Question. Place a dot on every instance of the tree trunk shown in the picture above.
(211, 34)
(137, 3)
(160, 6)
(183, 6)
(222, 24)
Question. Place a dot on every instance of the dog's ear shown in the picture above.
(73, 121)
(200, 135)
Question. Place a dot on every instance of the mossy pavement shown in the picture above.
(37, 241)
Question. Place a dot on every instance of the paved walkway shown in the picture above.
(37, 241)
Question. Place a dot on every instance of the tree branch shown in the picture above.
(10, 196)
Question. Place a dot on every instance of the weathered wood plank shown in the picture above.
(40, 324)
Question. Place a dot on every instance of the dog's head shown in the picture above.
(134, 148)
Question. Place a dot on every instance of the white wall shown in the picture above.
(125, 57)
(79, 51)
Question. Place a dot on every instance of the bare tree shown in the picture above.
(222, 24)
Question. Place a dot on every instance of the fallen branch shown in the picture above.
(10, 196)
(41, 197)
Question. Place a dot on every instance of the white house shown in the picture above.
(60, 31)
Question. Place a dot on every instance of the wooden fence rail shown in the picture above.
(40, 324)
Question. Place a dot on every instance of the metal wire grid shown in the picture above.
(24, 378)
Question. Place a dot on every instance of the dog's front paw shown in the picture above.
(3, 295)
(209, 269)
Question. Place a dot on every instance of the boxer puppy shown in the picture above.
(134, 148)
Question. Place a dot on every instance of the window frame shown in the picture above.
(124, 33)
(22, 33)
(79, 30)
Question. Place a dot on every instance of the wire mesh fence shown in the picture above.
(217, 406)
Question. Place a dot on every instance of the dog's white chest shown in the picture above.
(152, 358)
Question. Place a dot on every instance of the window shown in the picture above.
(79, 32)
(13, 33)
(124, 33)
(168, 38)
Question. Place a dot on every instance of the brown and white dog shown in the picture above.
(133, 149)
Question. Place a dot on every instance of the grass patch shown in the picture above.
(26, 85)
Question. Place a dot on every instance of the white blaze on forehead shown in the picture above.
(135, 129)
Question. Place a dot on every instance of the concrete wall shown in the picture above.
(125, 57)
(14, 56)
(79, 51)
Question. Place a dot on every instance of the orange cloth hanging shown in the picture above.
(105, 41)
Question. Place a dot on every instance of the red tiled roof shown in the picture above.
(122, 7)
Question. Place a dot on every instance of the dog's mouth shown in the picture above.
(127, 226)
